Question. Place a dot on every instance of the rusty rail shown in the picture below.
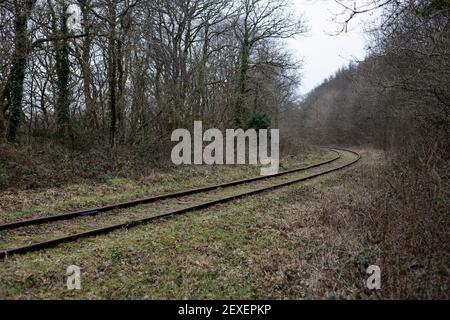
(56, 241)
(133, 203)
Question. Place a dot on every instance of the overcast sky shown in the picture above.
(323, 53)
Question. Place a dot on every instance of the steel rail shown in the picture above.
(133, 203)
(56, 241)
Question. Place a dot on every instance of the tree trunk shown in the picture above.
(63, 76)
(112, 73)
(4, 106)
(240, 113)
(19, 65)
(86, 69)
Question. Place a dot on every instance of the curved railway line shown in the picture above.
(28, 233)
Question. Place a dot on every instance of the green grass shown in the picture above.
(258, 247)
(27, 204)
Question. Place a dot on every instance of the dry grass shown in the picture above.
(312, 240)
(253, 248)
(19, 204)
(398, 219)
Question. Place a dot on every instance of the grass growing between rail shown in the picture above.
(34, 203)
(266, 246)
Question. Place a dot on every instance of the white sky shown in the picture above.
(322, 52)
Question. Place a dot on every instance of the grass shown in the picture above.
(310, 240)
(32, 203)
(266, 246)
(24, 236)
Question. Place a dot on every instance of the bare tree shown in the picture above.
(257, 21)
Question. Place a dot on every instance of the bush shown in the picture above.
(259, 120)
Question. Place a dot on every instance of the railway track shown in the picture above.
(32, 234)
